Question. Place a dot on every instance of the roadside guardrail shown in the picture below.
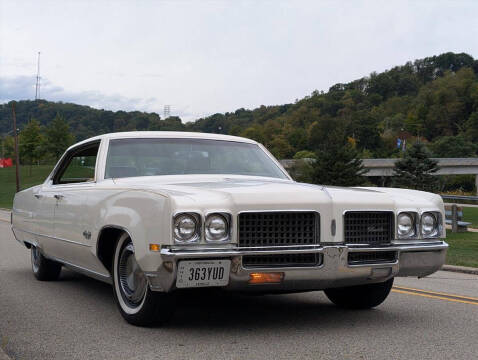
(460, 197)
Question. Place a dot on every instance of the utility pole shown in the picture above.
(37, 88)
(17, 157)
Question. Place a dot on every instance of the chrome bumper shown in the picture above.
(415, 259)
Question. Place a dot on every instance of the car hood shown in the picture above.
(241, 193)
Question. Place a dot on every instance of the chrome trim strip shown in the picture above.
(368, 210)
(53, 237)
(280, 210)
(81, 269)
(170, 254)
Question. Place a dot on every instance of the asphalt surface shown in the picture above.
(76, 318)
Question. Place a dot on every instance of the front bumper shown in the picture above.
(412, 259)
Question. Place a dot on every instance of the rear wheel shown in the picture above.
(44, 269)
(136, 302)
(360, 297)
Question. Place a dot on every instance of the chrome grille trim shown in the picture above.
(278, 228)
(369, 227)
(377, 257)
(282, 260)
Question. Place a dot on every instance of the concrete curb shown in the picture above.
(460, 269)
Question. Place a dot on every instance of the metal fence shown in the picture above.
(460, 198)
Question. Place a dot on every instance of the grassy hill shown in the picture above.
(435, 98)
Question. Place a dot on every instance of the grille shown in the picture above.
(372, 228)
(372, 257)
(281, 260)
(278, 228)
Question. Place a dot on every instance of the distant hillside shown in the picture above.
(435, 98)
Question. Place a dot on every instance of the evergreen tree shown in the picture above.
(31, 143)
(338, 165)
(415, 169)
(58, 136)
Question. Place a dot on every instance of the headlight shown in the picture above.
(186, 228)
(406, 225)
(430, 225)
(217, 228)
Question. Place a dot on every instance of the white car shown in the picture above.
(153, 213)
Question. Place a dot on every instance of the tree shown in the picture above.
(415, 169)
(8, 147)
(338, 165)
(31, 143)
(304, 154)
(58, 136)
(472, 127)
(453, 146)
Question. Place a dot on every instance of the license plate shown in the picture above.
(202, 273)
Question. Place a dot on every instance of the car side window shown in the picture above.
(79, 166)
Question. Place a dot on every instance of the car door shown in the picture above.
(66, 196)
(44, 217)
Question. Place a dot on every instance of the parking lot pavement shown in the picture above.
(76, 318)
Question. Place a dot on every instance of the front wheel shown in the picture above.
(44, 269)
(136, 302)
(360, 297)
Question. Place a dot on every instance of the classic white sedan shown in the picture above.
(157, 212)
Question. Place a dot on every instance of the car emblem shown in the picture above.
(374, 228)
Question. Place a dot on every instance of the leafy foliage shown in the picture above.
(453, 146)
(31, 143)
(58, 136)
(434, 99)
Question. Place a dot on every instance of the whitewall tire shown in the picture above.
(136, 302)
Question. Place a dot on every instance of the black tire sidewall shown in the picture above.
(47, 269)
(360, 297)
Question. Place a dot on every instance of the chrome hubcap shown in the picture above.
(132, 280)
(35, 259)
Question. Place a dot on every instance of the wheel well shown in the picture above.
(106, 245)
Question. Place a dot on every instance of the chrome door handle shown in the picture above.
(58, 196)
(38, 196)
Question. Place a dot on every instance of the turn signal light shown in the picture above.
(154, 247)
(266, 278)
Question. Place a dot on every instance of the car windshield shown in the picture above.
(149, 157)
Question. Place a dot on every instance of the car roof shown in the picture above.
(166, 135)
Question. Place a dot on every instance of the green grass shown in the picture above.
(470, 214)
(7, 181)
(463, 250)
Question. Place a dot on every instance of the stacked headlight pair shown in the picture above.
(411, 226)
(187, 228)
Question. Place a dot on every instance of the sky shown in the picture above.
(204, 57)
